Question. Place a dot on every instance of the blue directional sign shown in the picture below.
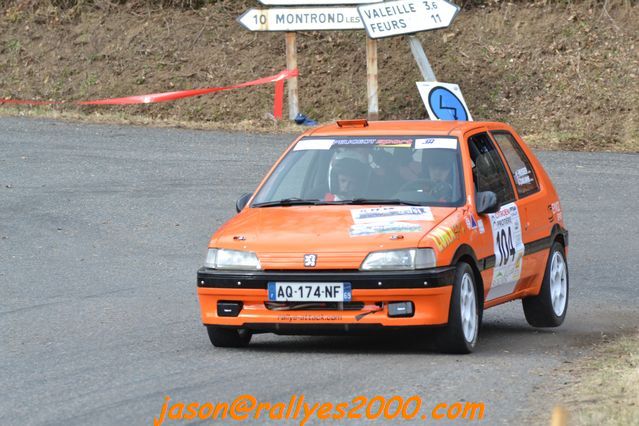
(444, 101)
(446, 105)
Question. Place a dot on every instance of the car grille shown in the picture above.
(288, 261)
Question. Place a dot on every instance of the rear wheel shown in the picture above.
(548, 308)
(228, 337)
(460, 334)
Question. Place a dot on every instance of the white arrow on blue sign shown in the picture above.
(444, 101)
(394, 18)
(301, 19)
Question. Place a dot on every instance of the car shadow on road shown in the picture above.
(495, 338)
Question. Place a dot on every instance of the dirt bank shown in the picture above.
(566, 75)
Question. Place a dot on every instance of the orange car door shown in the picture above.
(504, 226)
(530, 200)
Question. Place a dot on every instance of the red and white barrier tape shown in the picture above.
(278, 101)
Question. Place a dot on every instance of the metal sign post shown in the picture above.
(420, 57)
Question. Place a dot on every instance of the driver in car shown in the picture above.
(438, 185)
(348, 177)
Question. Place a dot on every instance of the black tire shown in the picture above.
(228, 337)
(452, 338)
(539, 309)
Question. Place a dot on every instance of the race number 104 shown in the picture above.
(505, 245)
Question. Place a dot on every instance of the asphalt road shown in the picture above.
(102, 229)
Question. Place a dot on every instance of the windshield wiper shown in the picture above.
(288, 202)
(381, 201)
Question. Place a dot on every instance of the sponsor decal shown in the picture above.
(431, 143)
(393, 213)
(309, 144)
(308, 317)
(523, 173)
(554, 210)
(509, 250)
(362, 229)
(355, 141)
(444, 236)
(523, 179)
(480, 225)
(404, 142)
(471, 223)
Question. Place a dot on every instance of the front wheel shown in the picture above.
(222, 337)
(460, 334)
(548, 308)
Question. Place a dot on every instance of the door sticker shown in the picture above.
(509, 250)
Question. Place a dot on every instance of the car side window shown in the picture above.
(519, 165)
(489, 173)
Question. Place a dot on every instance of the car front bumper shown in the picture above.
(429, 291)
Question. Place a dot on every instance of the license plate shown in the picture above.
(309, 292)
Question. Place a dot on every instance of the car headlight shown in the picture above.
(393, 260)
(232, 259)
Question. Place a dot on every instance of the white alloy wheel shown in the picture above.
(549, 307)
(468, 311)
(558, 283)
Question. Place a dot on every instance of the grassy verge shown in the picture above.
(605, 390)
(264, 125)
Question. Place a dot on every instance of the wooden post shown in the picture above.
(371, 77)
(291, 64)
(420, 57)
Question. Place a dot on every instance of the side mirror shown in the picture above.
(486, 202)
(241, 202)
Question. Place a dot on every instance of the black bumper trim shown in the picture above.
(322, 329)
(436, 277)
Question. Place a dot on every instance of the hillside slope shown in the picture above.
(566, 75)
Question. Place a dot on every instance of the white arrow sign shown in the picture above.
(406, 16)
(444, 101)
(314, 2)
(301, 19)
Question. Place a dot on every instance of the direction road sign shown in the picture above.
(406, 16)
(314, 2)
(444, 101)
(301, 19)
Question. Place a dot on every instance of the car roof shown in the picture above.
(402, 127)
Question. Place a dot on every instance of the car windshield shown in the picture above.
(414, 170)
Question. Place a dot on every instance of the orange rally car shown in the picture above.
(370, 225)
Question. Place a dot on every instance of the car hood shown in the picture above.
(340, 236)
